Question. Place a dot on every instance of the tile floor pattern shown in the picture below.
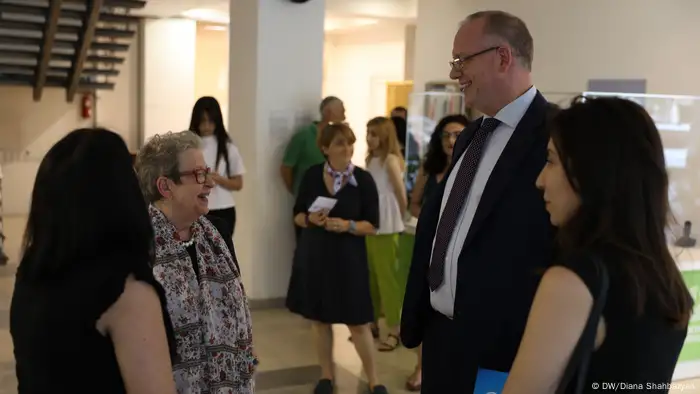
(283, 342)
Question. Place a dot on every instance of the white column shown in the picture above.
(168, 75)
(437, 22)
(275, 81)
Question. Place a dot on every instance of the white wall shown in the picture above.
(275, 76)
(580, 40)
(357, 66)
(28, 129)
(168, 75)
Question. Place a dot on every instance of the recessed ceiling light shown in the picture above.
(208, 15)
(215, 27)
(335, 23)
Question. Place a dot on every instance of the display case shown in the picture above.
(424, 112)
(678, 121)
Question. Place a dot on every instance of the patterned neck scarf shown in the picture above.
(339, 176)
(211, 318)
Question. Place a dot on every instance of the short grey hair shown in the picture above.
(161, 157)
(512, 30)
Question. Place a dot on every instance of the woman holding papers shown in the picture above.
(386, 165)
(616, 292)
(336, 207)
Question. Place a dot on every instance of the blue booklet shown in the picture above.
(489, 381)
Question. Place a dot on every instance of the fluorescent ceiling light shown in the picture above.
(332, 23)
(208, 15)
(215, 27)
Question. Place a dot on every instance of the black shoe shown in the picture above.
(324, 386)
(380, 389)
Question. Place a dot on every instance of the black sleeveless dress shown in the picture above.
(639, 351)
(429, 189)
(57, 347)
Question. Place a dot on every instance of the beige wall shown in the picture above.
(28, 129)
(358, 64)
(211, 64)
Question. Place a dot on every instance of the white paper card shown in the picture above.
(323, 204)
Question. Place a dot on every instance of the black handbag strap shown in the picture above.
(578, 364)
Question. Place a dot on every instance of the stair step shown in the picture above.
(31, 69)
(7, 53)
(64, 29)
(62, 44)
(52, 81)
(36, 9)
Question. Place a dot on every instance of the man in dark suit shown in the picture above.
(484, 238)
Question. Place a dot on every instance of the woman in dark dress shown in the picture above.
(330, 282)
(87, 315)
(606, 189)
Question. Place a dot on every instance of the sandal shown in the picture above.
(413, 383)
(390, 344)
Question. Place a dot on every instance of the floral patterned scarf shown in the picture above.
(340, 176)
(210, 316)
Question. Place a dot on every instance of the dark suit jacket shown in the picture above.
(508, 247)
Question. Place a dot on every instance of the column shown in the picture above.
(168, 60)
(436, 25)
(275, 83)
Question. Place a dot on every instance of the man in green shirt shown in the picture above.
(303, 151)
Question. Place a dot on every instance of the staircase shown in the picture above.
(76, 45)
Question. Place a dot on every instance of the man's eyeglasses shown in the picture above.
(200, 174)
(458, 63)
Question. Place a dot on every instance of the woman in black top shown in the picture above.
(606, 189)
(330, 282)
(437, 159)
(87, 315)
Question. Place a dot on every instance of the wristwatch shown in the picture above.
(353, 226)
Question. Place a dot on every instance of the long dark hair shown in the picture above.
(86, 208)
(210, 106)
(613, 157)
(436, 159)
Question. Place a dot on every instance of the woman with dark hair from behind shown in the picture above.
(221, 155)
(606, 189)
(84, 294)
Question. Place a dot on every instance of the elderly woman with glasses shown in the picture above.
(196, 265)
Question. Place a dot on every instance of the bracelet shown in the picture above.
(353, 226)
(306, 219)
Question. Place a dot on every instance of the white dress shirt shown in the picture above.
(443, 298)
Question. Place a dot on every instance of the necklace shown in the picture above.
(189, 242)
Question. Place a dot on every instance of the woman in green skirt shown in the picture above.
(386, 165)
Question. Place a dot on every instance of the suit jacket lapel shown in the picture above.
(518, 146)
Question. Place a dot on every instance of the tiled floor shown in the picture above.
(283, 343)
